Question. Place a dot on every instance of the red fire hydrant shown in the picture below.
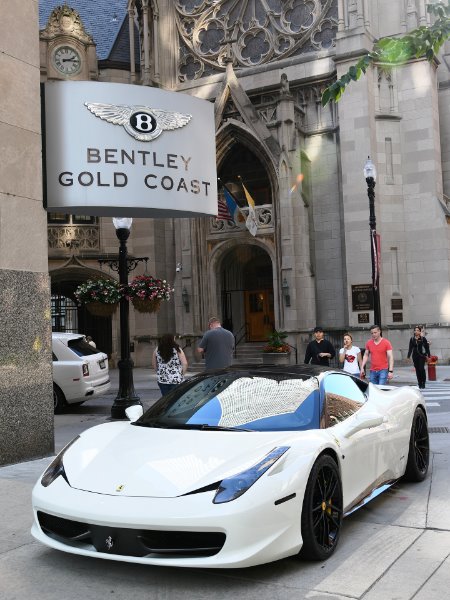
(432, 361)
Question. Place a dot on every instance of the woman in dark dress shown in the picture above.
(419, 350)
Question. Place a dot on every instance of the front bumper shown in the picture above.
(248, 531)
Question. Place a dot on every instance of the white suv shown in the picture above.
(80, 371)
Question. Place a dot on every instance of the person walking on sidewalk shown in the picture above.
(381, 357)
(419, 350)
(170, 364)
(319, 351)
(350, 356)
(217, 346)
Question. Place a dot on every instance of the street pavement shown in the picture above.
(395, 548)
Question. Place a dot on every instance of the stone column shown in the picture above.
(26, 399)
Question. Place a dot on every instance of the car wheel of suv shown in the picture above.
(322, 510)
(59, 401)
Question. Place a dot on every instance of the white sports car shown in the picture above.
(233, 468)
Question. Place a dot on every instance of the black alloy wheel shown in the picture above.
(419, 448)
(322, 510)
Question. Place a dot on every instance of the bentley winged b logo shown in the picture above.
(141, 122)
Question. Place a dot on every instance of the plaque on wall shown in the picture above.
(396, 304)
(397, 317)
(363, 318)
(362, 297)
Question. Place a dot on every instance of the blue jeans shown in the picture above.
(166, 387)
(379, 377)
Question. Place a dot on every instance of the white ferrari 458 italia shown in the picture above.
(233, 468)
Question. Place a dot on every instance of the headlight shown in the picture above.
(56, 467)
(233, 487)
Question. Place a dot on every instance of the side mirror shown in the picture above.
(365, 421)
(134, 412)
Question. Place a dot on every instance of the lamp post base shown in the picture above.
(126, 396)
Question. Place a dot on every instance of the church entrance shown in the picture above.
(247, 293)
(259, 314)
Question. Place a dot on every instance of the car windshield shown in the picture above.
(239, 401)
(81, 347)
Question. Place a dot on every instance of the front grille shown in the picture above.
(132, 542)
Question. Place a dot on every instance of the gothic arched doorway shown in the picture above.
(247, 293)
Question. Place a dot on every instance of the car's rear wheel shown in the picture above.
(419, 448)
(322, 510)
(59, 400)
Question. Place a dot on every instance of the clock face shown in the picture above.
(67, 60)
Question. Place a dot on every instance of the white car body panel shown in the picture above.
(126, 476)
(68, 370)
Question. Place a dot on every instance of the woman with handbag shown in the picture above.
(419, 350)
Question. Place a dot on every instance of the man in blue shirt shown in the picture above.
(217, 346)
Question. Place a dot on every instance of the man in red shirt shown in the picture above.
(381, 358)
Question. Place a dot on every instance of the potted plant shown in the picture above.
(100, 296)
(146, 292)
(276, 350)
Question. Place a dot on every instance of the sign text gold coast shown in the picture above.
(154, 161)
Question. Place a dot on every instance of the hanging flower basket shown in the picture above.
(100, 296)
(101, 310)
(146, 293)
(144, 305)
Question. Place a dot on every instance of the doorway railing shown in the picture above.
(239, 336)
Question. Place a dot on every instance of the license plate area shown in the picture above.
(102, 364)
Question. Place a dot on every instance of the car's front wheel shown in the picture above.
(59, 401)
(322, 510)
(419, 448)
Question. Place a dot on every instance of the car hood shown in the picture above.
(125, 460)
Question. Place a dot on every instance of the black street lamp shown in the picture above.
(126, 396)
(370, 174)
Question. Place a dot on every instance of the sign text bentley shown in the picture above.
(134, 159)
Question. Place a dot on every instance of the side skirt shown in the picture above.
(376, 492)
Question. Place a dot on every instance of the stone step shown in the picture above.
(246, 353)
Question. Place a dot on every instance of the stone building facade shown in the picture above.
(264, 65)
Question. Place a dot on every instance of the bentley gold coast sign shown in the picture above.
(125, 150)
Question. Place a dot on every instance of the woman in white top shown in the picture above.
(170, 364)
(350, 356)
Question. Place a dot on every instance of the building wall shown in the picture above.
(320, 244)
(26, 401)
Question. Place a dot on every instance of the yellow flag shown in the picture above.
(251, 223)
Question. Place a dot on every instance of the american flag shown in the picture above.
(222, 209)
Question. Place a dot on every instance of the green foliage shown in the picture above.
(276, 343)
(423, 42)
